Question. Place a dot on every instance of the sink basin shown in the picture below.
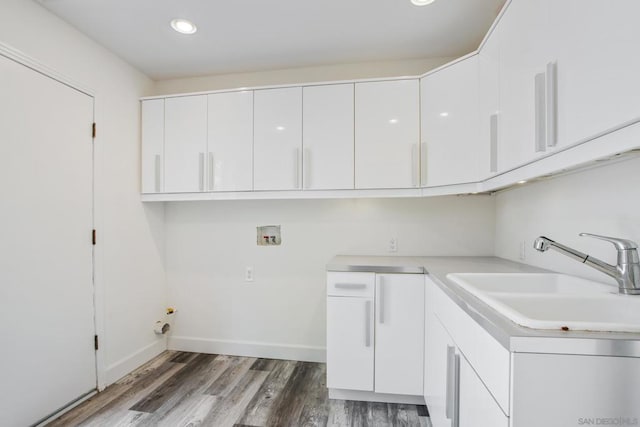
(554, 301)
(613, 313)
(528, 283)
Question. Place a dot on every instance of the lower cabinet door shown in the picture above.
(350, 343)
(399, 334)
(438, 378)
(476, 406)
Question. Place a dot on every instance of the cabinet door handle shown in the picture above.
(552, 104)
(452, 391)
(540, 112)
(367, 323)
(423, 164)
(158, 171)
(350, 285)
(493, 132)
(296, 165)
(415, 170)
(211, 172)
(306, 170)
(381, 298)
(201, 171)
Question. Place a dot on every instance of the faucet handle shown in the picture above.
(620, 244)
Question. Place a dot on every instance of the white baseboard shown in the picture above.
(128, 364)
(249, 349)
(370, 396)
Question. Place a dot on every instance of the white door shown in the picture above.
(152, 145)
(524, 54)
(350, 343)
(597, 74)
(328, 137)
(449, 110)
(277, 160)
(489, 103)
(476, 407)
(46, 267)
(185, 144)
(387, 134)
(230, 142)
(399, 333)
(437, 345)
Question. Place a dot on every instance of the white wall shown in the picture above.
(282, 313)
(605, 201)
(130, 235)
(300, 75)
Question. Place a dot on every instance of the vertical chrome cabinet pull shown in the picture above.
(455, 419)
(415, 169)
(306, 170)
(423, 164)
(552, 104)
(450, 390)
(493, 131)
(296, 165)
(540, 111)
(158, 171)
(381, 297)
(367, 323)
(211, 172)
(201, 171)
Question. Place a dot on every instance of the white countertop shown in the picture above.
(510, 335)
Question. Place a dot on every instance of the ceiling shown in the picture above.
(251, 35)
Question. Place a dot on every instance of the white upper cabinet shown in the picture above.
(595, 46)
(152, 145)
(277, 162)
(328, 137)
(489, 103)
(523, 61)
(451, 148)
(387, 134)
(230, 142)
(185, 144)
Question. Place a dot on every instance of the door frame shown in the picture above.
(97, 211)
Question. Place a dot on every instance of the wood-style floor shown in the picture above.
(192, 389)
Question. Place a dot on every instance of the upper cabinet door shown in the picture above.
(152, 145)
(185, 144)
(489, 103)
(595, 47)
(449, 109)
(277, 151)
(523, 60)
(230, 142)
(328, 137)
(387, 134)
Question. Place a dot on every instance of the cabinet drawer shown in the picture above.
(351, 284)
(487, 356)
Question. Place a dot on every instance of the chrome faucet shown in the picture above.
(626, 272)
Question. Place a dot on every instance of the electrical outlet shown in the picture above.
(248, 274)
(393, 244)
(523, 250)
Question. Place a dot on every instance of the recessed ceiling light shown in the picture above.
(522, 182)
(393, 121)
(183, 26)
(280, 128)
(444, 114)
(422, 2)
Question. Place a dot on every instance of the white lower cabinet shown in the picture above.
(375, 332)
(467, 376)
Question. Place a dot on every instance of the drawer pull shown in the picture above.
(350, 285)
(367, 323)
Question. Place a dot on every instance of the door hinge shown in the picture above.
(95, 342)
(93, 237)
(93, 130)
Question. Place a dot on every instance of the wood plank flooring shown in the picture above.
(192, 389)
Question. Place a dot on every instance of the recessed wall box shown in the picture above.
(269, 235)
